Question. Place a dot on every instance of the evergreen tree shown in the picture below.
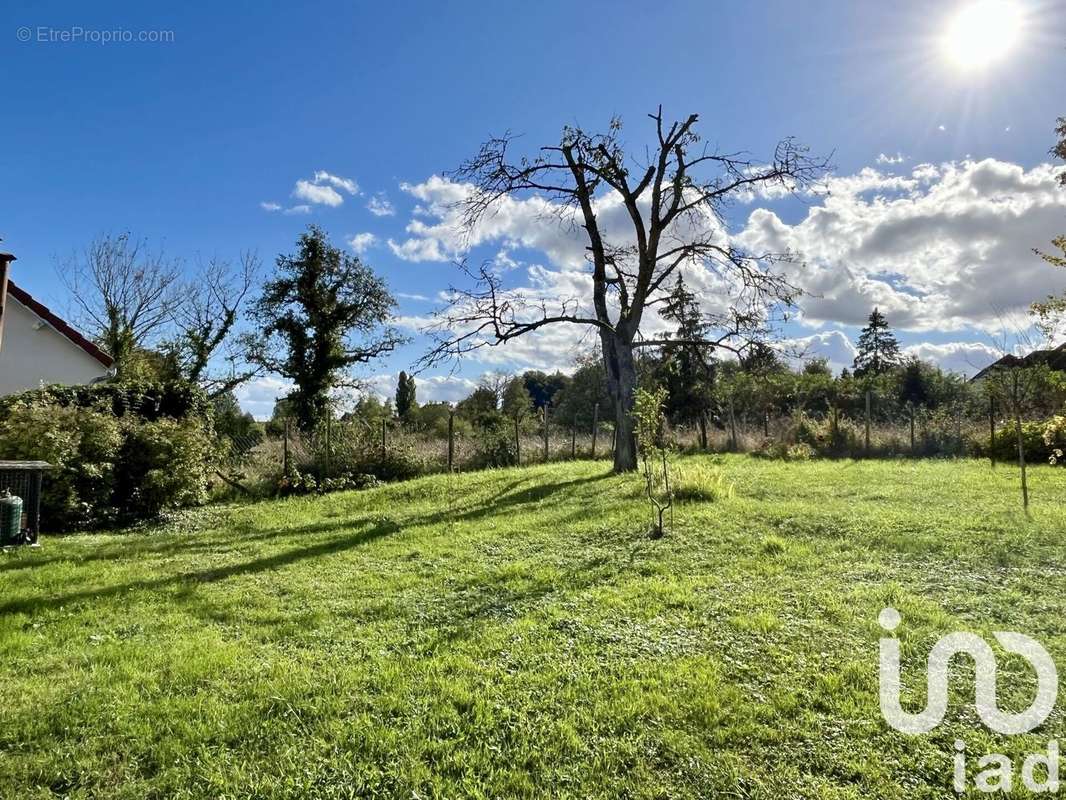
(687, 369)
(878, 348)
(405, 396)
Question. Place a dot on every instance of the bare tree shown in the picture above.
(123, 294)
(674, 197)
(205, 322)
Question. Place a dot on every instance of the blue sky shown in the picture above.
(182, 141)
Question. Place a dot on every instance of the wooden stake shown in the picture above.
(595, 426)
(451, 441)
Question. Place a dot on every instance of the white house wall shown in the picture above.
(33, 353)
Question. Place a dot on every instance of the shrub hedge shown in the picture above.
(119, 453)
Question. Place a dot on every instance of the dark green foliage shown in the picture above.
(162, 465)
(479, 408)
(687, 370)
(577, 400)
(878, 350)
(148, 401)
(406, 403)
(542, 387)
(107, 467)
(324, 313)
(237, 429)
(495, 445)
(516, 401)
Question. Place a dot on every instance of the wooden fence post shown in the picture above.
(595, 426)
(329, 444)
(910, 409)
(517, 443)
(285, 449)
(732, 425)
(992, 430)
(544, 411)
(451, 440)
(868, 402)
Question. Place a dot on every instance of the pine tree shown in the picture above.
(687, 369)
(878, 348)
(405, 396)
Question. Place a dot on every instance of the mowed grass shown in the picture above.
(516, 634)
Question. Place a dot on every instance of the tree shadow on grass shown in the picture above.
(294, 555)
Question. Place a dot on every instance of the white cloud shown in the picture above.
(947, 247)
(834, 346)
(270, 206)
(362, 242)
(966, 358)
(301, 209)
(884, 158)
(345, 184)
(314, 193)
(943, 247)
(380, 206)
(406, 296)
(323, 188)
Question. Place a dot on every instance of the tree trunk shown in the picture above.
(621, 370)
(703, 431)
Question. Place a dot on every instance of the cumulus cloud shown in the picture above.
(834, 346)
(362, 242)
(946, 247)
(324, 188)
(884, 158)
(965, 358)
(270, 206)
(380, 206)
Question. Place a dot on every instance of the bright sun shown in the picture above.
(982, 32)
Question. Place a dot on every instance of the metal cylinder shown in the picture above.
(10, 518)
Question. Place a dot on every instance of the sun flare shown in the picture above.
(982, 33)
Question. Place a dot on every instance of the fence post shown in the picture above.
(910, 409)
(595, 426)
(329, 441)
(451, 440)
(285, 449)
(544, 410)
(868, 423)
(517, 443)
(732, 425)
(992, 430)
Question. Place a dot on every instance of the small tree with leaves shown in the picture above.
(406, 404)
(324, 313)
(653, 446)
(878, 350)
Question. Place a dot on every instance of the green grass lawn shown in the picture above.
(516, 634)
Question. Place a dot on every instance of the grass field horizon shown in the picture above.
(515, 633)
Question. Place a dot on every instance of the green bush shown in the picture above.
(1005, 447)
(163, 465)
(494, 446)
(105, 467)
(81, 444)
(146, 400)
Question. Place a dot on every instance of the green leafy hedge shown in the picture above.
(119, 453)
